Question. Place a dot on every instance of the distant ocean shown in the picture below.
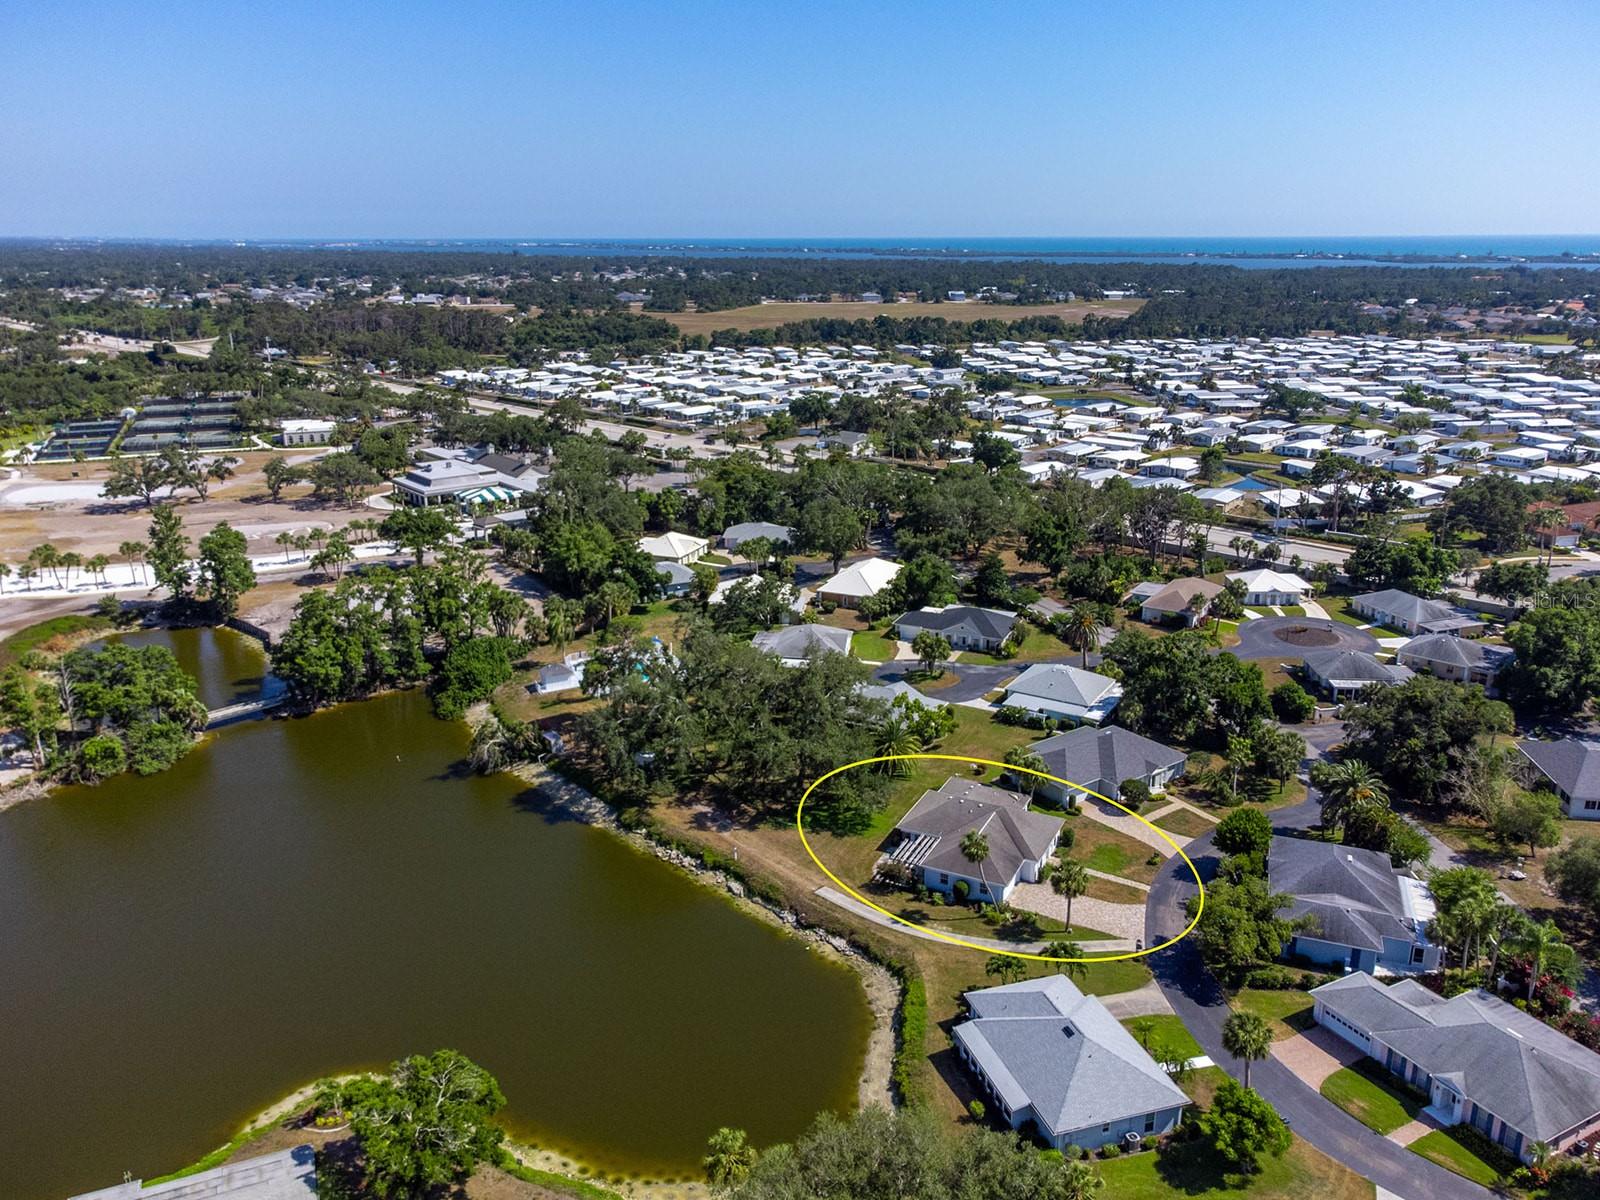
(1258, 252)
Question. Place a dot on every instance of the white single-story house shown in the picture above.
(964, 626)
(1341, 674)
(563, 676)
(675, 547)
(1412, 614)
(1270, 588)
(1370, 916)
(1050, 1057)
(858, 581)
(1065, 692)
(1482, 1062)
(927, 841)
(1099, 760)
(1571, 767)
(852, 444)
(1461, 660)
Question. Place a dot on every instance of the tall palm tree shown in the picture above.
(1348, 788)
(729, 1158)
(1070, 880)
(1247, 1036)
(1547, 520)
(974, 847)
(5, 574)
(134, 552)
(1027, 762)
(1082, 630)
(1541, 943)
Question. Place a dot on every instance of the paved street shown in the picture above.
(1195, 996)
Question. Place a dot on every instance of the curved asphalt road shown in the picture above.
(1258, 637)
(1197, 999)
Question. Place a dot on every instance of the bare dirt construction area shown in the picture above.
(770, 316)
(60, 503)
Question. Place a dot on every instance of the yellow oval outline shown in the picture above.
(799, 824)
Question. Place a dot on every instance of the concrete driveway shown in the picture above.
(1315, 1054)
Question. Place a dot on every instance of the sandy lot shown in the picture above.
(61, 503)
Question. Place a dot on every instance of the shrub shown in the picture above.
(1073, 1152)
(1068, 836)
(1134, 793)
(1244, 831)
(1110, 1150)
(1276, 979)
(962, 889)
(913, 1030)
(471, 672)
(1291, 703)
(976, 1110)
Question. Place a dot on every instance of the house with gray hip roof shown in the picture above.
(797, 644)
(927, 841)
(735, 535)
(965, 627)
(1342, 673)
(1369, 915)
(1412, 614)
(1051, 1057)
(1481, 1061)
(1064, 692)
(1461, 660)
(1098, 760)
(1572, 768)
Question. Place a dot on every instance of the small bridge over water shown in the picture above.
(228, 714)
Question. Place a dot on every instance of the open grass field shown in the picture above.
(1287, 1011)
(1375, 1104)
(770, 316)
(873, 647)
(1104, 849)
(1114, 893)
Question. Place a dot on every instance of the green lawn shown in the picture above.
(1439, 1147)
(1102, 848)
(873, 647)
(1115, 893)
(1293, 610)
(1164, 1033)
(717, 560)
(1037, 645)
(1190, 1171)
(34, 637)
(1184, 824)
(1375, 1104)
(1288, 1012)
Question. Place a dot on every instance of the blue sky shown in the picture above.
(479, 119)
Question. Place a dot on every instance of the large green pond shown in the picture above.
(298, 898)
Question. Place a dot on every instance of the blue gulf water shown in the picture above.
(1466, 250)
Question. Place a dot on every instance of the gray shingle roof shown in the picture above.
(1063, 683)
(1014, 834)
(1356, 895)
(1044, 1044)
(1572, 764)
(1353, 666)
(990, 622)
(1102, 758)
(746, 530)
(1411, 609)
(1536, 1080)
(1456, 651)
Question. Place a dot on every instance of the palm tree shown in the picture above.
(895, 738)
(1076, 1181)
(97, 566)
(1068, 951)
(1071, 880)
(1005, 967)
(1547, 520)
(1247, 1036)
(134, 552)
(974, 847)
(5, 574)
(1026, 762)
(1082, 630)
(1510, 924)
(729, 1157)
(1348, 788)
(286, 539)
(1541, 943)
